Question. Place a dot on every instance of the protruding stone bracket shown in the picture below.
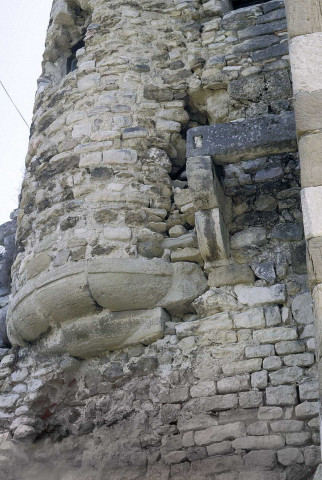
(213, 209)
(244, 140)
(227, 143)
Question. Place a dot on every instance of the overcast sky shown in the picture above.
(23, 25)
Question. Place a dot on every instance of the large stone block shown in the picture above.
(306, 61)
(244, 140)
(212, 235)
(205, 188)
(95, 334)
(253, 296)
(220, 433)
(312, 211)
(82, 289)
(314, 260)
(308, 108)
(310, 148)
(230, 275)
(303, 17)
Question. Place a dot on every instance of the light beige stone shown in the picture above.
(310, 148)
(307, 111)
(303, 16)
(230, 275)
(212, 235)
(306, 62)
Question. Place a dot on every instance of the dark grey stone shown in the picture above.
(298, 256)
(272, 52)
(247, 88)
(257, 43)
(288, 232)
(144, 366)
(265, 271)
(263, 29)
(245, 140)
(268, 7)
(271, 16)
(4, 342)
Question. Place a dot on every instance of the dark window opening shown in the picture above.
(246, 3)
(72, 62)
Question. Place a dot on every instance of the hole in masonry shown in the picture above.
(198, 141)
(72, 62)
(246, 3)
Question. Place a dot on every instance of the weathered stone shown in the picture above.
(270, 413)
(253, 296)
(299, 360)
(307, 410)
(288, 456)
(306, 63)
(253, 318)
(259, 351)
(212, 235)
(272, 316)
(311, 196)
(220, 433)
(309, 391)
(238, 383)
(248, 237)
(259, 379)
(250, 399)
(303, 17)
(289, 375)
(244, 140)
(214, 301)
(281, 395)
(285, 348)
(244, 366)
(230, 275)
(259, 442)
(302, 309)
(272, 363)
(283, 426)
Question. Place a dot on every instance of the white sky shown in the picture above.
(23, 25)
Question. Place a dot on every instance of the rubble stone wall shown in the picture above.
(228, 390)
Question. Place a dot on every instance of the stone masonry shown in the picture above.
(160, 322)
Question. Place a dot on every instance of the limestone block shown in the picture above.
(244, 140)
(289, 375)
(80, 289)
(61, 14)
(308, 111)
(212, 235)
(205, 188)
(283, 395)
(314, 260)
(249, 237)
(187, 254)
(259, 379)
(317, 303)
(310, 147)
(250, 399)
(220, 433)
(38, 264)
(124, 284)
(49, 298)
(306, 61)
(243, 366)
(288, 456)
(253, 296)
(275, 334)
(302, 309)
(259, 351)
(259, 442)
(307, 410)
(95, 334)
(230, 275)
(303, 17)
(238, 383)
(117, 157)
(253, 318)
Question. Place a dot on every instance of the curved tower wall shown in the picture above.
(160, 314)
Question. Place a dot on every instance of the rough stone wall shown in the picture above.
(230, 392)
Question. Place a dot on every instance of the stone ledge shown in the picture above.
(86, 288)
(244, 140)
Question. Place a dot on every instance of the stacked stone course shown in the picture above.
(203, 366)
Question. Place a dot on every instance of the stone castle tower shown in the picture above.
(160, 322)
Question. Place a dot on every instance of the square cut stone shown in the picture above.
(314, 260)
(308, 107)
(306, 61)
(303, 17)
(212, 235)
(310, 148)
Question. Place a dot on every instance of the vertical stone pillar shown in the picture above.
(305, 35)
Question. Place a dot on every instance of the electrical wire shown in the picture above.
(13, 103)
